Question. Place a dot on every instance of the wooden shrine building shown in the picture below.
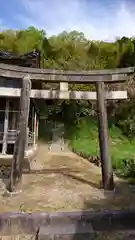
(19, 79)
(10, 108)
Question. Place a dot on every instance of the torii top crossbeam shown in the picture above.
(52, 75)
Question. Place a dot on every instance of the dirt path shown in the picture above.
(64, 181)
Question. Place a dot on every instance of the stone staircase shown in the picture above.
(58, 144)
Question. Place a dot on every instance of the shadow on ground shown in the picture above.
(122, 198)
(63, 171)
(124, 228)
(117, 199)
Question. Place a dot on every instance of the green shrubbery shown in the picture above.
(84, 138)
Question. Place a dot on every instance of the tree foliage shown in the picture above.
(71, 50)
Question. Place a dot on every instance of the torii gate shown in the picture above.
(97, 77)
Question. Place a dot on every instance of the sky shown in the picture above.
(97, 19)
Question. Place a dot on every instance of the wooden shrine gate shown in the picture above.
(29, 76)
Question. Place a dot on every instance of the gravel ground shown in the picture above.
(63, 181)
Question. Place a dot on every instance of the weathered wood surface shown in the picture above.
(52, 75)
(67, 72)
(20, 144)
(11, 137)
(66, 225)
(106, 165)
(63, 86)
(54, 94)
(5, 135)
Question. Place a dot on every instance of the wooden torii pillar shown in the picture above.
(21, 139)
(106, 165)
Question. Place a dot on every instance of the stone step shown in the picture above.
(57, 146)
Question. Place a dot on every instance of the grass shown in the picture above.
(84, 138)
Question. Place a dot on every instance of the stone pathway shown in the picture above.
(58, 144)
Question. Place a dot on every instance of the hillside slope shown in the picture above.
(84, 138)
